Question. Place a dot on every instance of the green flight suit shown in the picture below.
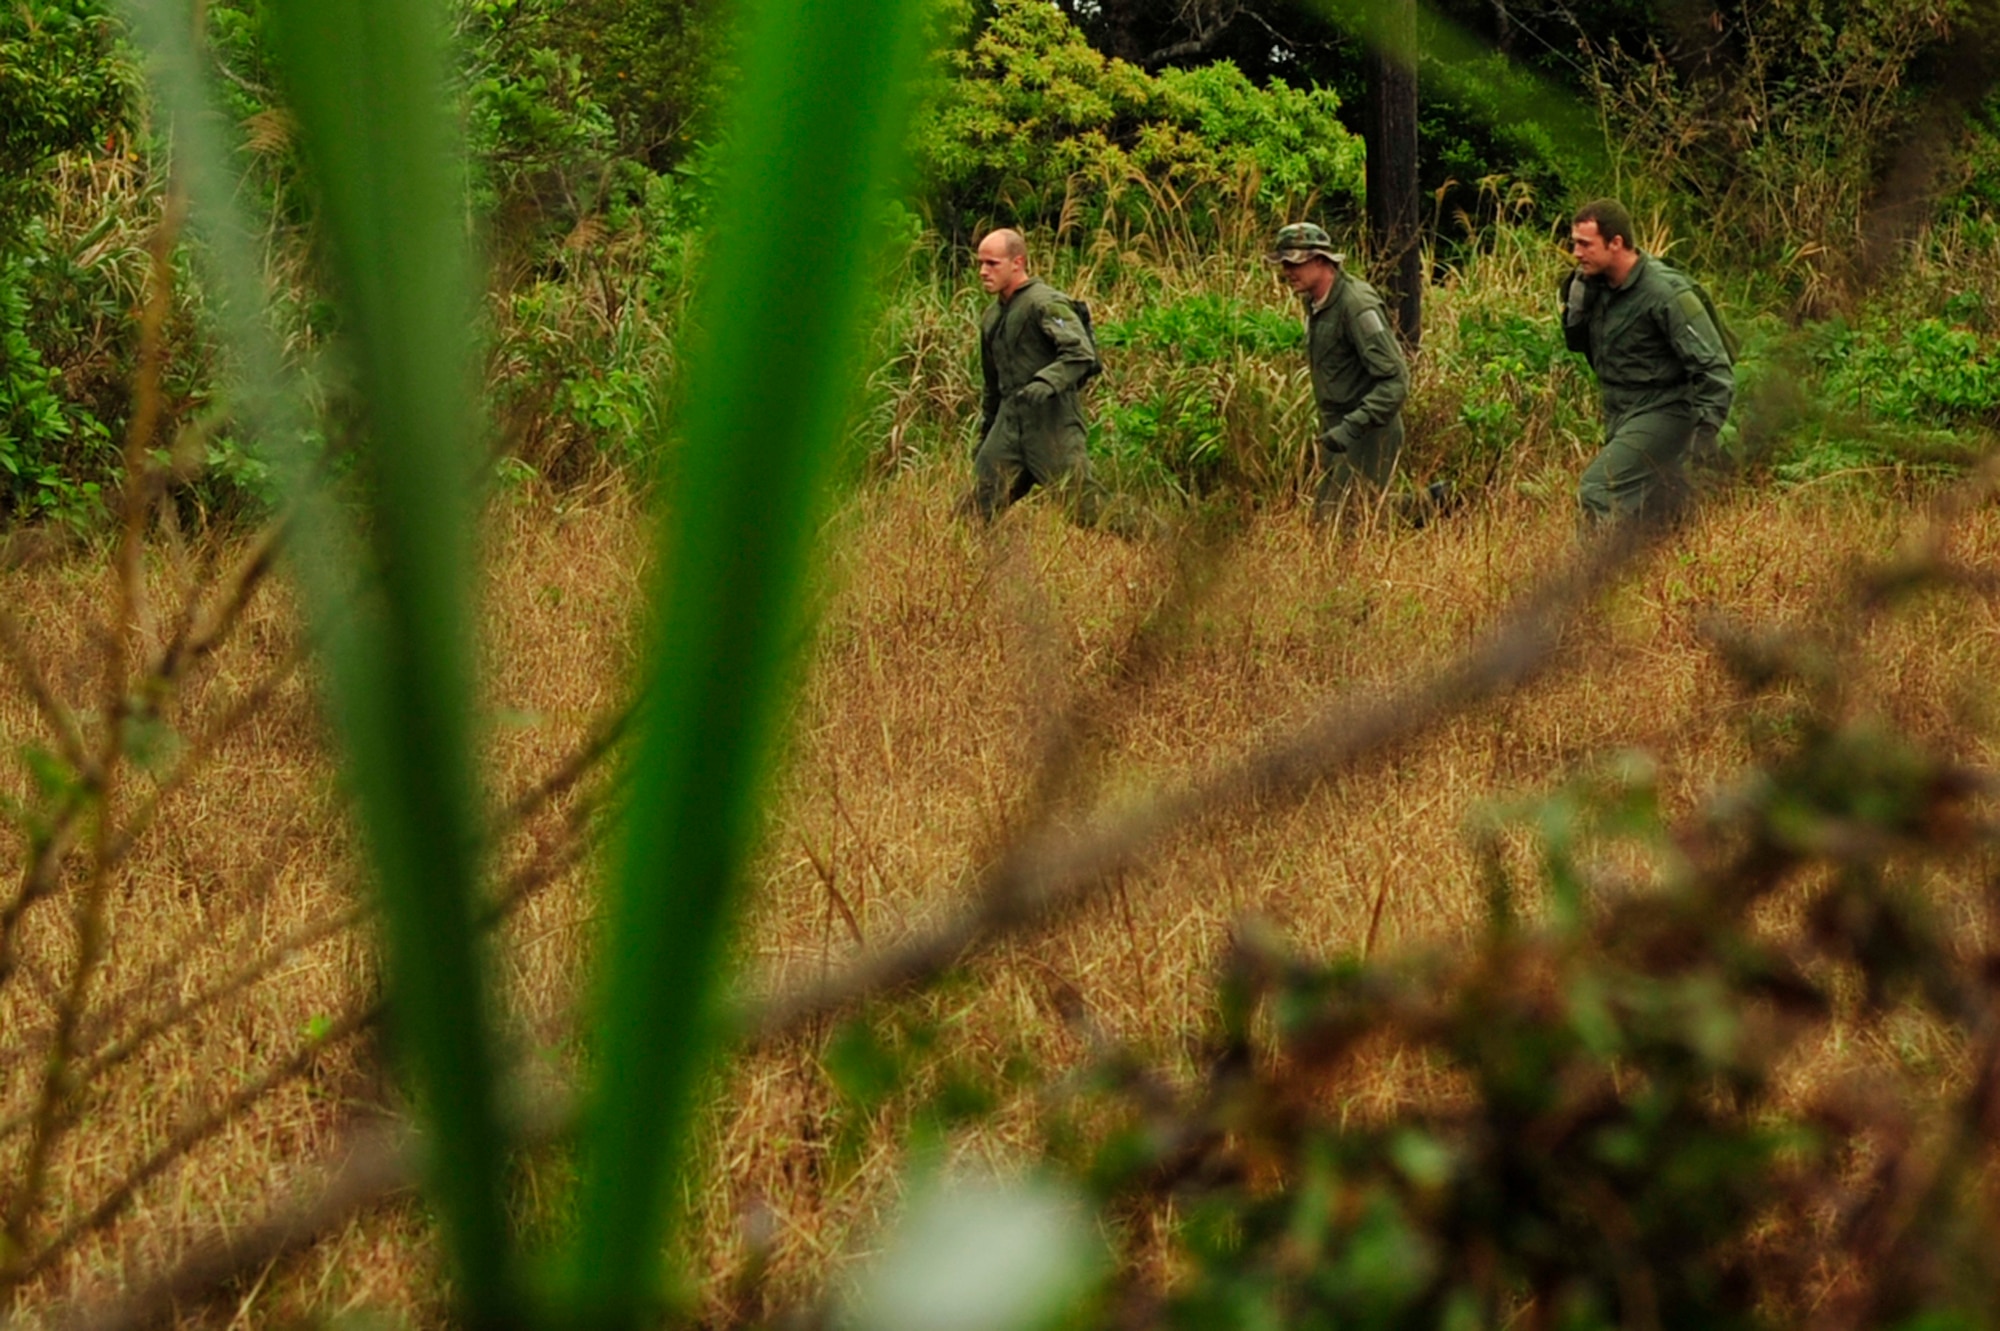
(1035, 334)
(1360, 381)
(1665, 374)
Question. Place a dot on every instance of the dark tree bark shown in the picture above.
(1394, 202)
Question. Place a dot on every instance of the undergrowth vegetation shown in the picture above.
(1148, 193)
(1457, 926)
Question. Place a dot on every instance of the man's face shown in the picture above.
(1310, 278)
(1000, 272)
(1593, 255)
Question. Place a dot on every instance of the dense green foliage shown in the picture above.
(61, 88)
(64, 88)
(592, 170)
(1036, 128)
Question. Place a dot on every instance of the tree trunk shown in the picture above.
(1394, 206)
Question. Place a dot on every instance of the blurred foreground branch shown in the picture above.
(1045, 873)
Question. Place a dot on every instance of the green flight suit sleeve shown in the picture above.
(1075, 354)
(1711, 382)
(1388, 374)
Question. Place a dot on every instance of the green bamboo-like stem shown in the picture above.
(815, 130)
(366, 82)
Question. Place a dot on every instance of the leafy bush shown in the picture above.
(1210, 383)
(53, 453)
(1037, 128)
(64, 86)
(1930, 373)
(1204, 328)
(1907, 396)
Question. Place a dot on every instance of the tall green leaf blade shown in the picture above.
(815, 131)
(366, 82)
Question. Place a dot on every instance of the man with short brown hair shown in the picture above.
(1660, 360)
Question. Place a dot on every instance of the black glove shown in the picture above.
(1705, 446)
(1574, 295)
(1334, 440)
(1576, 312)
(1037, 391)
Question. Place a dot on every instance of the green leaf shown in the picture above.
(814, 132)
(367, 84)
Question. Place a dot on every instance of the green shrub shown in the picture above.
(1201, 395)
(1928, 373)
(64, 86)
(1036, 128)
(53, 453)
(1204, 328)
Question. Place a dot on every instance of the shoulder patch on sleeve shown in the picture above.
(1690, 305)
(1371, 322)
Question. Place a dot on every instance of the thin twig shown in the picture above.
(58, 1084)
(1051, 872)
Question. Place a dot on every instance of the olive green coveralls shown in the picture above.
(1665, 374)
(1360, 381)
(1034, 334)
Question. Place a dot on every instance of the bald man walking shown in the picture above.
(1036, 354)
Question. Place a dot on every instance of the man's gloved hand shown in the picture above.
(1575, 294)
(1335, 440)
(1037, 391)
(1705, 446)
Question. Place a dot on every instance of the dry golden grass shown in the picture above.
(942, 660)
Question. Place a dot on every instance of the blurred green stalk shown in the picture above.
(815, 131)
(366, 82)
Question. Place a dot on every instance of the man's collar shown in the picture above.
(1633, 275)
(1027, 282)
(1339, 276)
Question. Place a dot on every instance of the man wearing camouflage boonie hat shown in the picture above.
(1359, 376)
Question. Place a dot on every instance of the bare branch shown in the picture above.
(1050, 872)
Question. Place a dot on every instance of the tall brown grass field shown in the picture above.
(941, 658)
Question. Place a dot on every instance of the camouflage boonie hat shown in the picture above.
(1301, 241)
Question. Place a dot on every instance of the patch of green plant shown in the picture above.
(1037, 128)
(1508, 385)
(1172, 442)
(1930, 372)
(1203, 328)
(1910, 396)
(64, 85)
(52, 452)
(1597, 1126)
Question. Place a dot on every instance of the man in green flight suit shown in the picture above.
(1660, 361)
(1036, 354)
(1359, 376)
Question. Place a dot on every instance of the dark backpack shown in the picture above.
(1732, 346)
(1082, 308)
